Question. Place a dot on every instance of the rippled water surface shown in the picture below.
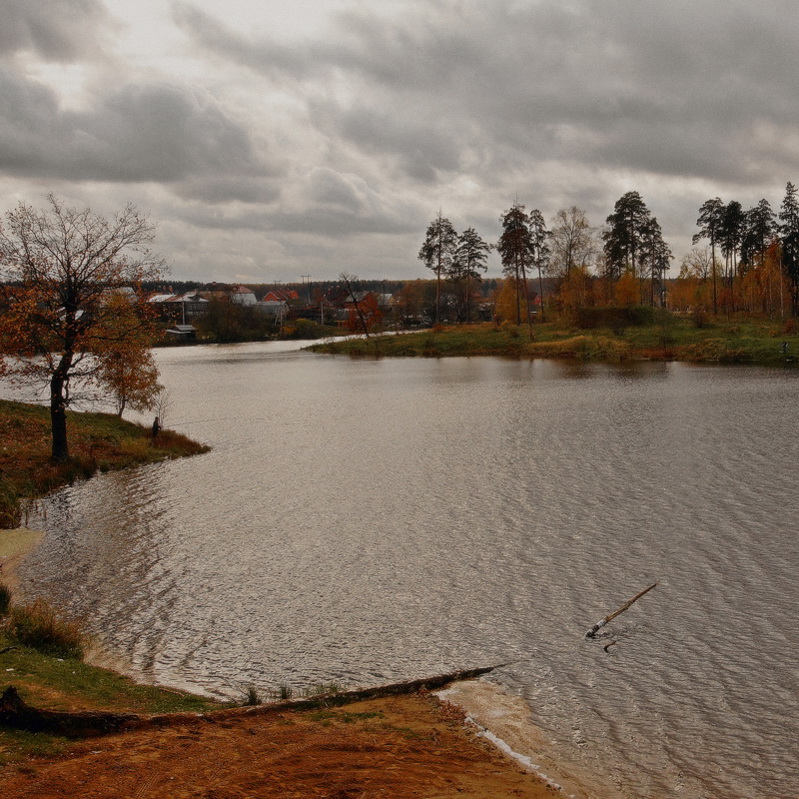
(370, 521)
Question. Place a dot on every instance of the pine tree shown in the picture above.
(759, 229)
(540, 251)
(732, 225)
(623, 235)
(710, 222)
(789, 240)
(654, 258)
(515, 249)
(471, 256)
(437, 252)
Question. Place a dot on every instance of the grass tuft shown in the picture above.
(283, 692)
(36, 625)
(252, 697)
(323, 689)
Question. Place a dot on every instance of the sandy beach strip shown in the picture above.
(15, 544)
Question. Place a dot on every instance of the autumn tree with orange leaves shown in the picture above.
(69, 298)
(127, 369)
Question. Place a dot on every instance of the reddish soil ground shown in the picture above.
(389, 748)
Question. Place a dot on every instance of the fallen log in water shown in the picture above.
(16, 713)
(600, 624)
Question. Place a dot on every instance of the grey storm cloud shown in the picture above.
(423, 148)
(56, 30)
(135, 133)
(330, 205)
(359, 130)
(676, 89)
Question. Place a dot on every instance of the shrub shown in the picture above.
(430, 348)
(37, 626)
(615, 318)
(308, 329)
(5, 599)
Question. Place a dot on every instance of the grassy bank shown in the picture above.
(661, 336)
(98, 442)
(69, 684)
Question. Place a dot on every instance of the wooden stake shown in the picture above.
(599, 625)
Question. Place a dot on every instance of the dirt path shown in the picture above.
(390, 748)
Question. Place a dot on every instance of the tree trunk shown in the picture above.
(58, 416)
(541, 292)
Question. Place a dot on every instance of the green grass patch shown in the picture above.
(97, 442)
(609, 335)
(63, 683)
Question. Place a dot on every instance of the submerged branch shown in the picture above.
(600, 624)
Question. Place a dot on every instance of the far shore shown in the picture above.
(624, 337)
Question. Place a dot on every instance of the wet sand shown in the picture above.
(505, 721)
(14, 545)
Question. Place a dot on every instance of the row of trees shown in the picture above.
(751, 261)
(760, 251)
(633, 246)
(458, 258)
(463, 258)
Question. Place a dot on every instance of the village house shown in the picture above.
(179, 307)
(241, 295)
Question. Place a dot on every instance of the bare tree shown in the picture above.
(573, 241)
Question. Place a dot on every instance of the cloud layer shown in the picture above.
(333, 151)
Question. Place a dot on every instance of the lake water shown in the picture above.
(368, 521)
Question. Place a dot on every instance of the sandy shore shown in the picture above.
(14, 545)
(505, 720)
(510, 759)
(399, 747)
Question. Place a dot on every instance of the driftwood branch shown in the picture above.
(16, 713)
(600, 624)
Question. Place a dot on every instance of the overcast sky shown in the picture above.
(272, 139)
